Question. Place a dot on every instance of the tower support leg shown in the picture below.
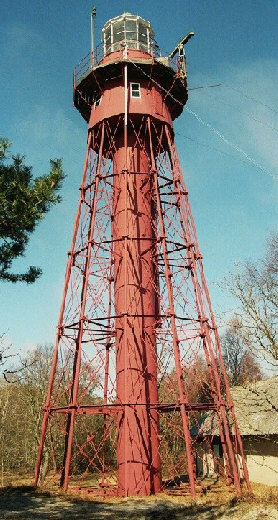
(181, 389)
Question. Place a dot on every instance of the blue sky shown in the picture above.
(233, 196)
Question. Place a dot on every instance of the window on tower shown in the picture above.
(135, 90)
(97, 100)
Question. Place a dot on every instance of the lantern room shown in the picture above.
(128, 30)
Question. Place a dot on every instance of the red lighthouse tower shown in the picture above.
(138, 395)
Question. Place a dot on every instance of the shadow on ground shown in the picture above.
(24, 503)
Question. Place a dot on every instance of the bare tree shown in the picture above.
(255, 286)
(21, 410)
(12, 365)
(8, 358)
(5, 352)
(240, 362)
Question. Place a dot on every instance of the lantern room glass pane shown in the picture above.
(130, 25)
(108, 35)
(118, 31)
(131, 35)
(107, 39)
(142, 33)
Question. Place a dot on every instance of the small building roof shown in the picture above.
(256, 409)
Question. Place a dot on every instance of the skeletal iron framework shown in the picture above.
(138, 395)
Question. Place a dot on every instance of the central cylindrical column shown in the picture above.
(136, 309)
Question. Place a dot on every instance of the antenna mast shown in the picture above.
(93, 19)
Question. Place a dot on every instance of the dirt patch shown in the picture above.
(27, 503)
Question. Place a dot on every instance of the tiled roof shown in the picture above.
(256, 408)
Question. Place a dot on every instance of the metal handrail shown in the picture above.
(93, 59)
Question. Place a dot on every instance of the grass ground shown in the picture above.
(20, 501)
